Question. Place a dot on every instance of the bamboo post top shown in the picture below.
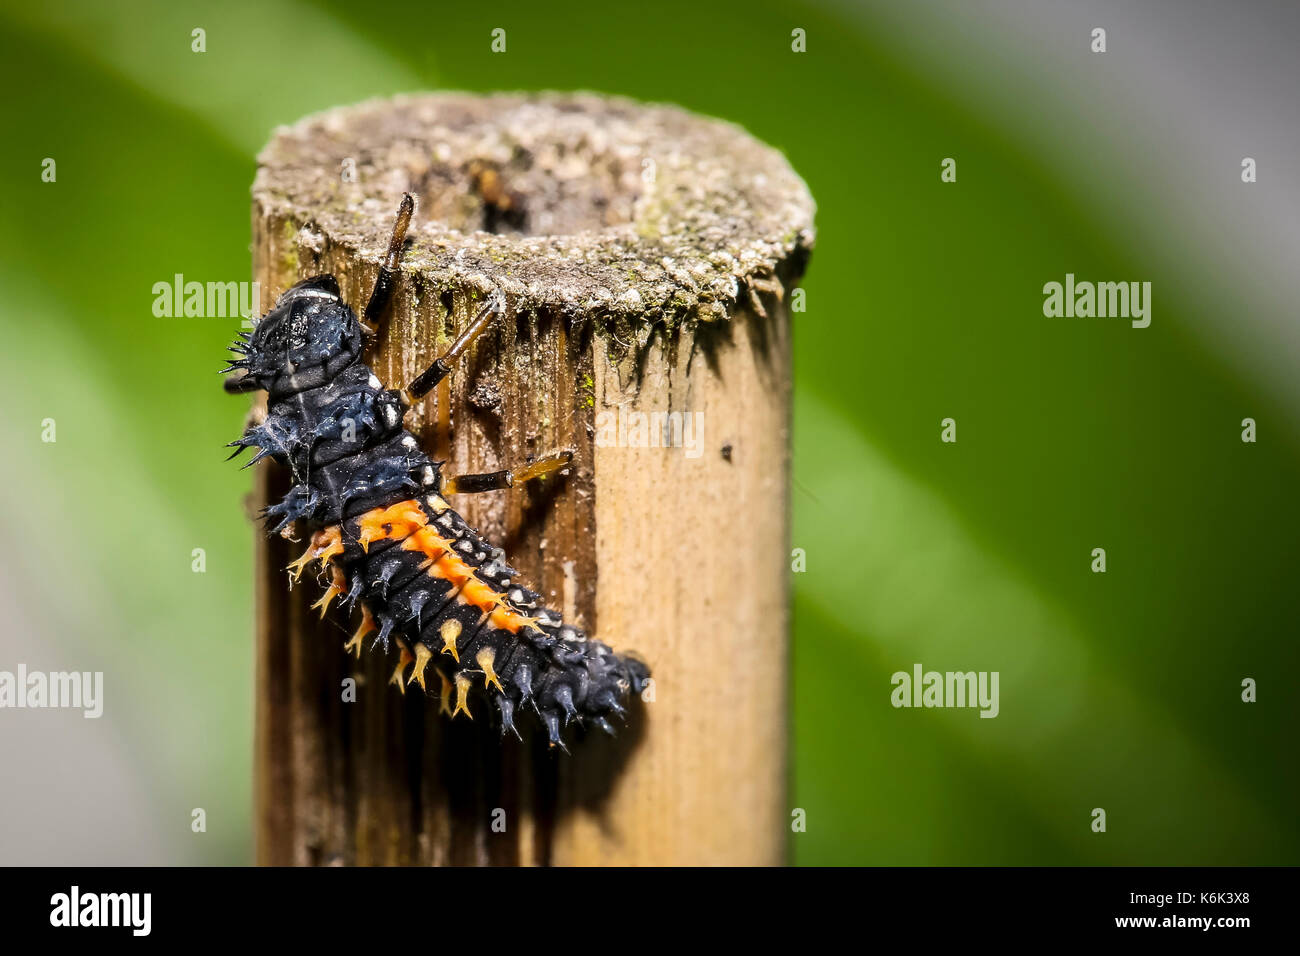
(645, 255)
(643, 212)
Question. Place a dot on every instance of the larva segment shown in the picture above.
(396, 522)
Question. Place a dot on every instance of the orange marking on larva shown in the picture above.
(396, 521)
(453, 569)
(480, 594)
(428, 542)
(470, 589)
(366, 535)
(325, 544)
(407, 522)
(339, 586)
(508, 619)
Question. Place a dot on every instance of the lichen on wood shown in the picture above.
(621, 210)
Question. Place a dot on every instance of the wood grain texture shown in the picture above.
(679, 554)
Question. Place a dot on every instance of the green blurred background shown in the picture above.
(1119, 691)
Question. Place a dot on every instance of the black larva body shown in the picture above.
(340, 432)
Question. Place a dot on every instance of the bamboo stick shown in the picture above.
(648, 255)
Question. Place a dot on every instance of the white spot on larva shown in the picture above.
(374, 382)
(408, 441)
(390, 415)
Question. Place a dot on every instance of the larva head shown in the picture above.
(305, 341)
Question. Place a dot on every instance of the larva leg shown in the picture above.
(428, 380)
(500, 480)
(382, 293)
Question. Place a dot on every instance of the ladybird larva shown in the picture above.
(371, 501)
